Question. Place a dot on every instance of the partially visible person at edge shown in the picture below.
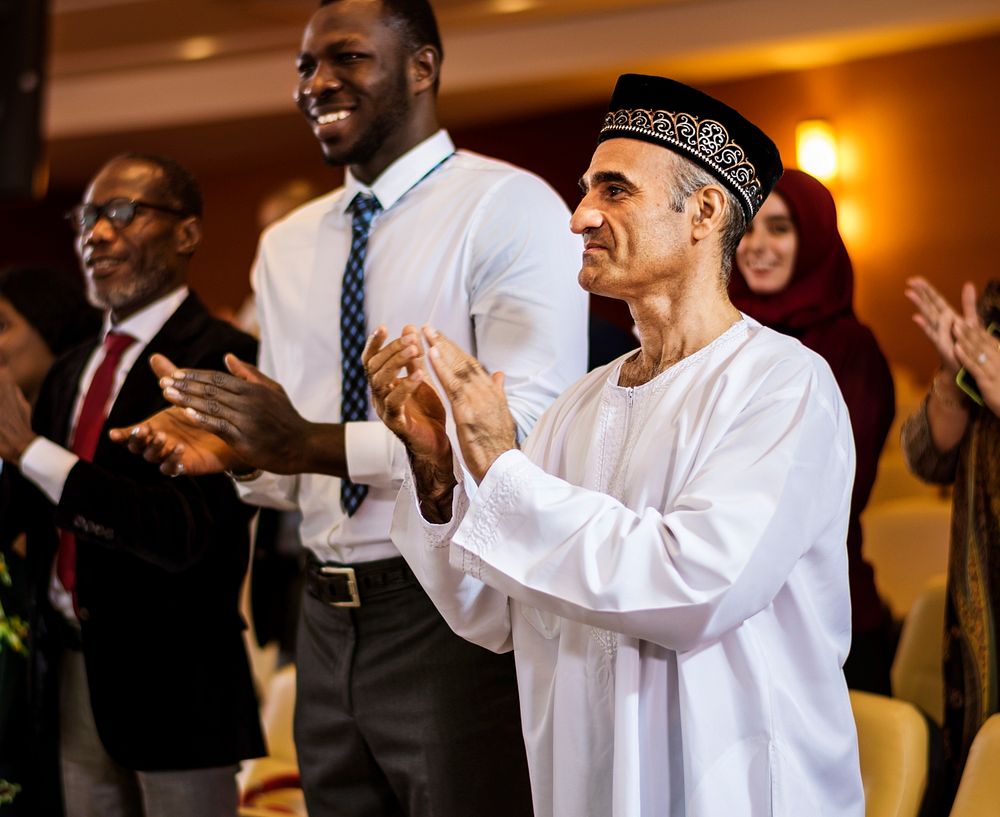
(394, 713)
(950, 439)
(794, 275)
(665, 553)
(139, 665)
(43, 314)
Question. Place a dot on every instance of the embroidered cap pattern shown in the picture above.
(706, 140)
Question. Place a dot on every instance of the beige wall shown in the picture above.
(920, 190)
(920, 132)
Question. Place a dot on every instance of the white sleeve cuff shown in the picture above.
(374, 455)
(435, 535)
(48, 466)
(495, 498)
(270, 491)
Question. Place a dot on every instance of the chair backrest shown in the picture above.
(907, 542)
(916, 669)
(276, 714)
(892, 739)
(979, 790)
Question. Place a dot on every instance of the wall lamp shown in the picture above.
(816, 149)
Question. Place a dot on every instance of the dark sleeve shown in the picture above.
(11, 522)
(22, 506)
(126, 504)
(922, 456)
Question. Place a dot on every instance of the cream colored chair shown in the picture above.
(906, 541)
(979, 790)
(892, 739)
(271, 785)
(917, 668)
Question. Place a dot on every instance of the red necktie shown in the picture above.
(93, 413)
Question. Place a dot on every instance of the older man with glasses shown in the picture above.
(137, 576)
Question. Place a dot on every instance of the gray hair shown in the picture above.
(689, 178)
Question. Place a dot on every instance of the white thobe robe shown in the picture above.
(668, 562)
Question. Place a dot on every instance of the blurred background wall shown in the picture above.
(908, 89)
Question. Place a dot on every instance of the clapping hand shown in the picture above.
(409, 406)
(412, 409)
(978, 351)
(15, 420)
(175, 439)
(936, 318)
(245, 409)
(479, 408)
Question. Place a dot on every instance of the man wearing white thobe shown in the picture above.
(666, 555)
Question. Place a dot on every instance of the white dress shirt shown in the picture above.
(479, 249)
(48, 464)
(668, 563)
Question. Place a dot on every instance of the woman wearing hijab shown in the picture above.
(953, 439)
(793, 274)
(43, 313)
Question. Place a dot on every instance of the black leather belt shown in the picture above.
(341, 585)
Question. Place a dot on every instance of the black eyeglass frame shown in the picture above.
(79, 220)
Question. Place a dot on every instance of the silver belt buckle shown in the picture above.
(352, 585)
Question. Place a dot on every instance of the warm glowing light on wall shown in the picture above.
(816, 149)
(199, 48)
(513, 6)
(851, 222)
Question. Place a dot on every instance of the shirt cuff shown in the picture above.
(374, 455)
(496, 498)
(436, 534)
(48, 466)
(275, 491)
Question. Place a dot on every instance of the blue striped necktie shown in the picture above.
(354, 385)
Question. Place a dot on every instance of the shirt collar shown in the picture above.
(403, 173)
(149, 320)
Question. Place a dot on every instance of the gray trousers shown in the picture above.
(396, 716)
(94, 785)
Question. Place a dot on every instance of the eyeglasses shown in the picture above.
(120, 212)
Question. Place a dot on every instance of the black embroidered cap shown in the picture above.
(700, 128)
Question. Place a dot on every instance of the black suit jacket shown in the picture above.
(160, 563)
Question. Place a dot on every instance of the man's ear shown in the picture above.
(425, 66)
(188, 235)
(710, 208)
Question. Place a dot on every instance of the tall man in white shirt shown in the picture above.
(137, 638)
(666, 554)
(395, 714)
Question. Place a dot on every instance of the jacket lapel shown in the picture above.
(54, 420)
(140, 394)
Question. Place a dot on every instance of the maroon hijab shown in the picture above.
(822, 283)
(816, 307)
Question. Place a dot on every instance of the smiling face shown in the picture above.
(23, 353)
(634, 239)
(129, 267)
(354, 86)
(766, 255)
